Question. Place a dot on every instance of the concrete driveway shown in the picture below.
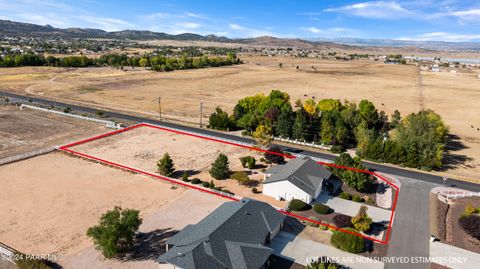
(301, 250)
(351, 208)
(453, 257)
(411, 231)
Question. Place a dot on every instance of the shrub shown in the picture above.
(248, 161)
(348, 242)
(220, 168)
(67, 110)
(24, 262)
(185, 177)
(469, 210)
(115, 232)
(322, 209)
(196, 181)
(165, 165)
(323, 227)
(322, 265)
(337, 149)
(345, 195)
(274, 155)
(255, 190)
(206, 184)
(298, 205)
(211, 185)
(241, 177)
(312, 224)
(471, 225)
(357, 198)
(362, 221)
(342, 221)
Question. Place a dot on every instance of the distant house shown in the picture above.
(233, 236)
(299, 178)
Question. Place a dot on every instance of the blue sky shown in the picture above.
(445, 20)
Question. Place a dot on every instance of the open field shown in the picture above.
(142, 147)
(48, 202)
(390, 87)
(26, 130)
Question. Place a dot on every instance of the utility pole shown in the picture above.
(160, 107)
(201, 113)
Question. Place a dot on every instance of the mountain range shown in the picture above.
(20, 29)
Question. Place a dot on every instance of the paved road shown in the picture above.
(411, 231)
(378, 167)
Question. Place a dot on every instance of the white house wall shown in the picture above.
(285, 190)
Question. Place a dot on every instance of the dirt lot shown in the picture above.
(156, 229)
(142, 147)
(27, 130)
(48, 202)
(390, 87)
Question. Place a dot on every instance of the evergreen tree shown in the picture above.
(285, 122)
(299, 125)
(220, 168)
(165, 165)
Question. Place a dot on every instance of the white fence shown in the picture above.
(457, 195)
(7, 252)
(296, 142)
(109, 124)
(26, 155)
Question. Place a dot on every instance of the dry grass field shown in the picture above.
(27, 130)
(454, 96)
(48, 202)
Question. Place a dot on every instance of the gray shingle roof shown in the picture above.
(303, 172)
(232, 236)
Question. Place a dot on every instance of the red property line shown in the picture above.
(66, 148)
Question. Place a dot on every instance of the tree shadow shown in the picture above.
(150, 245)
(179, 173)
(450, 159)
(293, 226)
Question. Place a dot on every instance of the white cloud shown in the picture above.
(108, 24)
(242, 31)
(375, 9)
(442, 36)
(312, 30)
(331, 32)
(235, 26)
(470, 15)
(189, 25)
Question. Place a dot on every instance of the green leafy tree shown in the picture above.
(328, 105)
(220, 168)
(423, 136)
(263, 135)
(368, 113)
(165, 165)
(115, 233)
(219, 120)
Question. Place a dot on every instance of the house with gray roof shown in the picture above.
(233, 236)
(300, 178)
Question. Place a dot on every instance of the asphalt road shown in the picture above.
(373, 166)
(411, 232)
